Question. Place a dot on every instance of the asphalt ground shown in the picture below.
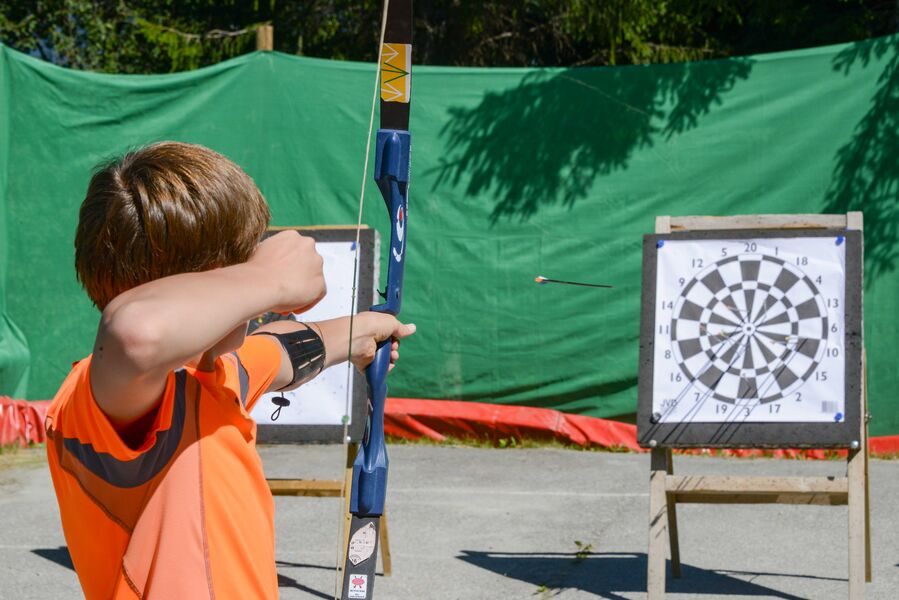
(531, 524)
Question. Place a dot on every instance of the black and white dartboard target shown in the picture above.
(748, 329)
(749, 339)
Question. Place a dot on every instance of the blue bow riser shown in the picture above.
(392, 161)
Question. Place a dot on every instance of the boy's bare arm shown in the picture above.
(369, 328)
(148, 331)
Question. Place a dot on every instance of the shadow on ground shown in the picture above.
(288, 582)
(605, 574)
(58, 555)
(62, 557)
(609, 574)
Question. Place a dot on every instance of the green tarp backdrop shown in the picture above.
(516, 172)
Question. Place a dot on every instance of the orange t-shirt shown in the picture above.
(188, 514)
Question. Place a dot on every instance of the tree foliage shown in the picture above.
(145, 36)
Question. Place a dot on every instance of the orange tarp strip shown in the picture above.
(435, 419)
(884, 444)
(411, 419)
(22, 422)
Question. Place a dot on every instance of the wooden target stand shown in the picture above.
(666, 489)
(336, 488)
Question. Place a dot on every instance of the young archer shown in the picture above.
(151, 447)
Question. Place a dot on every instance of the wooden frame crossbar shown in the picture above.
(775, 490)
(666, 489)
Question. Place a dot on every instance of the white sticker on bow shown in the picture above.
(358, 587)
(362, 544)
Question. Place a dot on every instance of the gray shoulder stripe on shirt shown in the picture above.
(136, 472)
(244, 378)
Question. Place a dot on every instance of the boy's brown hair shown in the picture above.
(165, 209)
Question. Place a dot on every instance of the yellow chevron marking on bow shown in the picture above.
(396, 66)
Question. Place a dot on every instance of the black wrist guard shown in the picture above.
(306, 351)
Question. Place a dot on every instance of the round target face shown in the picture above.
(748, 339)
(749, 329)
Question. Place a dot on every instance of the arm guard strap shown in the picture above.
(306, 351)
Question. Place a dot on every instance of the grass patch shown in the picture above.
(15, 456)
(503, 443)
(887, 456)
(583, 550)
(507, 443)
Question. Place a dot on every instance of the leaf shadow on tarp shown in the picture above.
(610, 574)
(546, 140)
(866, 175)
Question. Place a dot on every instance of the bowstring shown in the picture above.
(341, 529)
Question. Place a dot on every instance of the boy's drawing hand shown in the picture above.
(297, 268)
(370, 328)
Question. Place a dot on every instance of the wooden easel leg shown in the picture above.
(384, 542)
(658, 526)
(867, 522)
(672, 520)
(857, 542)
(864, 450)
(351, 450)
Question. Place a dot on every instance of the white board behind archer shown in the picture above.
(324, 400)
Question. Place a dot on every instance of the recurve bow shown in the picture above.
(392, 167)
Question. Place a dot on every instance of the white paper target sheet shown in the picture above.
(750, 330)
(322, 401)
